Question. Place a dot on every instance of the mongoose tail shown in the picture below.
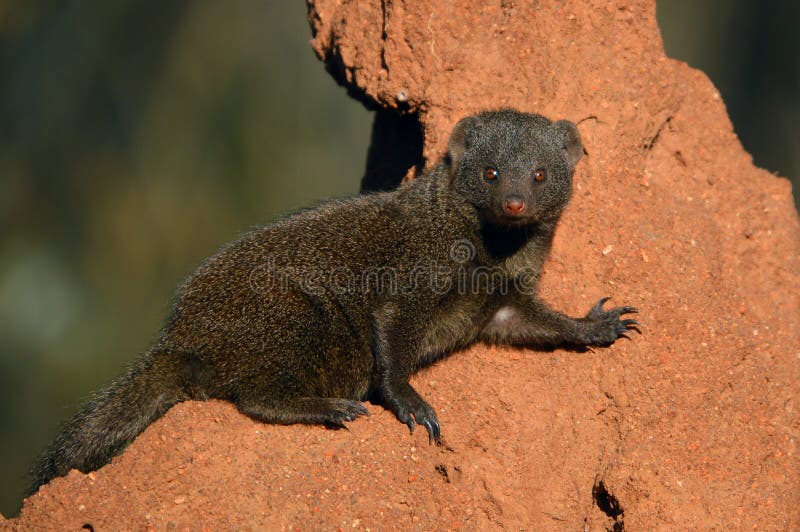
(113, 418)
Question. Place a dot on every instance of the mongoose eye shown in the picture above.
(539, 174)
(490, 173)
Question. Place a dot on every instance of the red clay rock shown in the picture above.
(693, 424)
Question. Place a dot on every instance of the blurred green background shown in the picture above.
(136, 137)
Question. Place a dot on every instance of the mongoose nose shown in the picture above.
(514, 205)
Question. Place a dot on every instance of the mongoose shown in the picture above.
(301, 320)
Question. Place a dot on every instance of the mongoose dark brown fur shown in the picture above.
(301, 320)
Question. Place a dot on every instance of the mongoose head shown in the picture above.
(515, 168)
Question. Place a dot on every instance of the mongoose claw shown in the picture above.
(603, 327)
(434, 432)
(360, 410)
(631, 325)
(344, 410)
(432, 425)
(408, 420)
(598, 308)
(425, 416)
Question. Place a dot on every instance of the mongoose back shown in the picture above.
(301, 320)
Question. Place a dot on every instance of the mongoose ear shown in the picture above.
(571, 141)
(460, 139)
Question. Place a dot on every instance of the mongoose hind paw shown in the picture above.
(342, 410)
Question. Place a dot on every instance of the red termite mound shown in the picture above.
(693, 423)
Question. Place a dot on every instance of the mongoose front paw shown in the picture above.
(603, 327)
(425, 416)
(412, 409)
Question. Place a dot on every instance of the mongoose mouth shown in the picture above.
(510, 220)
